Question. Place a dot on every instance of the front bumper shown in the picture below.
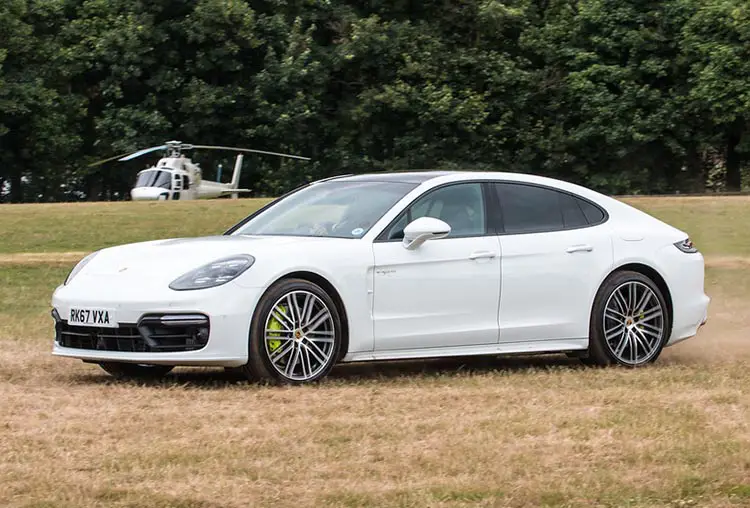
(228, 307)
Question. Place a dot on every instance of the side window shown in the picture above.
(593, 214)
(531, 209)
(571, 212)
(460, 205)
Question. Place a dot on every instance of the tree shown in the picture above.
(717, 41)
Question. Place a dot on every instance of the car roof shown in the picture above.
(396, 176)
(422, 177)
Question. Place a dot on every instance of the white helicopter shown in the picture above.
(176, 177)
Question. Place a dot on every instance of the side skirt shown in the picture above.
(542, 346)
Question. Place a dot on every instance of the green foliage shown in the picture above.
(627, 96)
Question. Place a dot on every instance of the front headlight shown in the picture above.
(77, 268)
(213, 274)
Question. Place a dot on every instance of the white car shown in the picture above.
(391, 266)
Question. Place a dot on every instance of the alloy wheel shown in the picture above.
(299, 335)
(633, 323)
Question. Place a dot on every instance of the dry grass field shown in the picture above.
(518, 432)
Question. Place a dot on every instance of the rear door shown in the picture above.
(555, 248)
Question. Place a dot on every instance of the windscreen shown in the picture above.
(337, 209)
(153, 178)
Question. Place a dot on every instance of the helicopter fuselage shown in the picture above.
(176, 177)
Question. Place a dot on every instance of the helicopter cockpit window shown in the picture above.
(154, 178)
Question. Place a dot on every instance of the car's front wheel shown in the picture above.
(629, 321)
(295, 335)
(122, 370)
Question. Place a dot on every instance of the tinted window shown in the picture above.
(529, 209)
(571, 211)
(593, 214)
(461, 206)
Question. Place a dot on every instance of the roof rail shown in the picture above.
(331, 178)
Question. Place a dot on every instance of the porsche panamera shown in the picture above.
(391, 266)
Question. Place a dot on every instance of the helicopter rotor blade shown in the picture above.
(98, 163)
(142, 152)
(234, 149)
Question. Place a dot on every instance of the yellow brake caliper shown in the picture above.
(274, 324)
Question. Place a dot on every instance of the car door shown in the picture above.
(446, 291)
(556, 248)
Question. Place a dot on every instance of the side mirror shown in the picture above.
(420, 230)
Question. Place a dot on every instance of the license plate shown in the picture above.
(104, 318)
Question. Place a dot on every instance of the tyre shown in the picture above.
(629, 321)
(295, 335)
(135, 370)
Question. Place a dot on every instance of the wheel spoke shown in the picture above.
(621, 303)
(284, 320)
(326, 340)
(305, 372)
(647, 328)
(613, 314)
(631, 297)
(281, 352)
(272, 337)
(643, 343)
(320, 358)
(289, 371)
(641, 305)
(613, 332)
(621, 345)
(324, 333)
(290, 306)
(319, 319)
(296, 311)
(306, 307)
(648, 345)
(653, 313)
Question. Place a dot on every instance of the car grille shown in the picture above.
(125, 338)
(149, 336)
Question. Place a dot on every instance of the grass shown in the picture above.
(716, 224)
(515, 432)
(66, 227)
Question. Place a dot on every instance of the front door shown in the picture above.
(445, 292)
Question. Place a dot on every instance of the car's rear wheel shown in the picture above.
(629, 322)
(296, 334)
(122, 370)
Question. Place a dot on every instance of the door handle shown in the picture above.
(579, 248)
(482, 254)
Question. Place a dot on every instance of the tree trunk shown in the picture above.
(16, 192)
(734, 161)
(696, 169)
